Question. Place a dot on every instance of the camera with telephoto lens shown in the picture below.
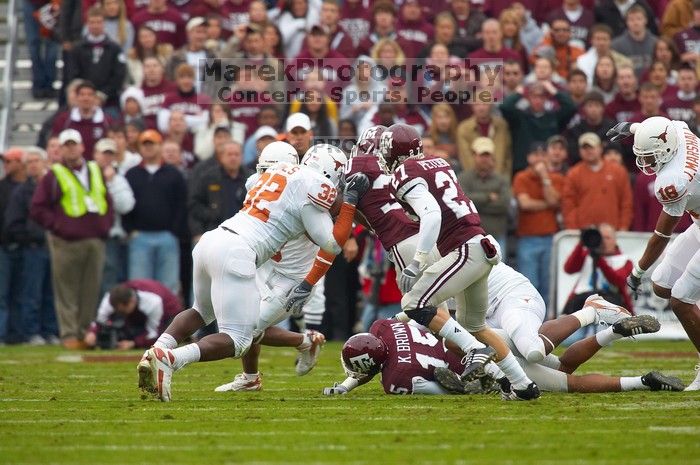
(592, 239)
(110, 333)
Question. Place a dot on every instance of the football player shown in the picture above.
(428, 187)
(284, 271)
(286, 202)
(413, 361)
(671, 151)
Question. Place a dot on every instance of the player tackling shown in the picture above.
(671, 151)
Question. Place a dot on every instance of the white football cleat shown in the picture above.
(241, 383)
(695, 385)
(606, 312)
(147, 382)
(161, 364)
(309, 356)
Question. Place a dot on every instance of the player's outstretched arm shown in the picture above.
(655, 247)
(346, 386)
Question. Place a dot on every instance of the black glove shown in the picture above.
(355, 188)
(633, 283)
(619, 131)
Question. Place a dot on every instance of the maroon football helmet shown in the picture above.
(368, 143)
(397, 143)
(363, 354)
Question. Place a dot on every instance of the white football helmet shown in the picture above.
(276, 152)
(655, 144)
(327, 160)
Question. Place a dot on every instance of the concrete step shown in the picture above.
(23, 138)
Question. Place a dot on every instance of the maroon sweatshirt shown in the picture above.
(91, 130)
(169, 26)
(46, 210)
(154, 96)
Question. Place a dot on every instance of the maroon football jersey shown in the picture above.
(688, 40)
(460, 220)
(620, 109)
(154, 96)
(169, 26)
(379, 206)
(679, 107)
(412, 353)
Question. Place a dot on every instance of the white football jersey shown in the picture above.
(677, 184)
(503, 281)
(271, 213)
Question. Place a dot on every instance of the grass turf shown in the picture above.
(92, 413)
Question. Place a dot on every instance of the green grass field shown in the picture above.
(56, 412)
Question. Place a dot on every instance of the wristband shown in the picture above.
(637, 272)
(662, 235)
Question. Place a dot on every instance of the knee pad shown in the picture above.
(686, 289)
(423, 315)
(535, 352)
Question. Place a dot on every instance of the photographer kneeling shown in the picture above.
(603, 268)
(132, 315)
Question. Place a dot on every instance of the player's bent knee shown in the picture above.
(423, 315)
(535, 355)
(242, 339)
(685, 291)
(663, 292)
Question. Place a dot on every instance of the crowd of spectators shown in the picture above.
(143, 155)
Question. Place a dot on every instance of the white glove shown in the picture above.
(336, 389)
(409, 276)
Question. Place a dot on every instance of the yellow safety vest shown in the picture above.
(75, 198)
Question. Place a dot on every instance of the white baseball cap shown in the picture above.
(298, 120)
(69, 135)
(264, 131)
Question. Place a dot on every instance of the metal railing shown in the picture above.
(8, 73)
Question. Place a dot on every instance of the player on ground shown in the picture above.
(284, 271)
(671, 151)
(286, 202)
(428, 187)
(413, 361)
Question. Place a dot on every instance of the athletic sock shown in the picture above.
(165, 341)
(492, 369)
(185, 354)
(251, 376)
(514, 372)
(453, 332)
(632, 383)
(551, 361)
(305, 344)
(607, 336)
(586, 316)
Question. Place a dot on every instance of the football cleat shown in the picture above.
(449, 380)
(241, 383)
(161, 364)
(147, 382)
(635, 325)
(474, 363)
(308, 357)
(531, 392)
(695, 385)
(606, 312)
(660, 382)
